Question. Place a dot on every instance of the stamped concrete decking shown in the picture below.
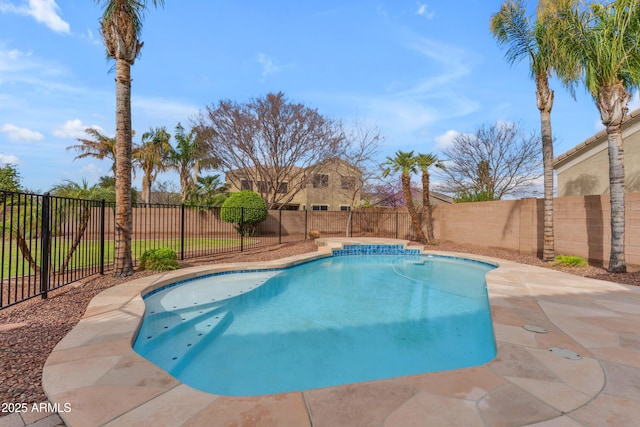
(95, 371)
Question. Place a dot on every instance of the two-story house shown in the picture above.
(332, 185)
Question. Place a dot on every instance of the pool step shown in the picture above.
(162, 327)
(169, 349)
(158, 327)
(185, 358)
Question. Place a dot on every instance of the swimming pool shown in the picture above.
(337, 320)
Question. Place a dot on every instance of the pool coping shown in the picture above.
(95, 373)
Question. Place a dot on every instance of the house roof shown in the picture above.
(593, 141)
(442, 197)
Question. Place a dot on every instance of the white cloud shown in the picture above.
(402, 113)
(268, 67)
(91, 38)
(43, 11)
(10, 60)
(74, 129)
(162, 111)
(446, 139)
(423, 10)
(17, 134)
(8, 159)
(92, 171)
(453, 62)
(17, 66)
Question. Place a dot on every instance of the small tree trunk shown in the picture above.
(426, 204)
(146, 189)
(406, 187)
(84, 222)
(26, 252)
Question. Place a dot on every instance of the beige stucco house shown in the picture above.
(333, 185)
(584, 170)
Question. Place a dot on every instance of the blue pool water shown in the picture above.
(337, 320)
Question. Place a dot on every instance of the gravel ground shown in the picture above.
(30, 330)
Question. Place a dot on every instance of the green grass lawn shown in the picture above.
(86, 254)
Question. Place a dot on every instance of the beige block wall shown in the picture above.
(491, 224)
(581, 226)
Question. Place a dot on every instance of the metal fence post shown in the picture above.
(44, 242)
(280, 226)
(242, 229)
(306, 223)
(101, 249)
(350, 221)
(182, 233)
(396, 224)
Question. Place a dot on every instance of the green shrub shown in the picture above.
(570, 260)
(465, 196)
(245, 209)
(159, 259)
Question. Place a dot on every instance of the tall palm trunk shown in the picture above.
(426, 204)
(545, 103)
(123, 260)
(612, 102)
(406, 188)
(617, 263)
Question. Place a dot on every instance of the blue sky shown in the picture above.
(419, 71)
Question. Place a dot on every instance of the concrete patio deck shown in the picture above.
(103, 382)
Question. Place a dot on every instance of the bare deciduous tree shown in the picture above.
(360, 151)
(269, 142)
(499, 160)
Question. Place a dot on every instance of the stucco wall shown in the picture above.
(584, 170)
(581, 225)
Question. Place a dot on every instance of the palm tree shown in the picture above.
(121, 26)
(535, 41)
(79, 210)
(605, 40)
(208, 191)
(188, 158)
(424, 162)
(405, 163)
(99, 146)
(151, 157)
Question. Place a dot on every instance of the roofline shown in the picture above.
(592, 141)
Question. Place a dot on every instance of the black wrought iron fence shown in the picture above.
(47, 242)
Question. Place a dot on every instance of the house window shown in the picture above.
(346, 208)
(319, 207)
(347, 182)
(320, 180)
(283, 188)
(263, 186)
(245, 184)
